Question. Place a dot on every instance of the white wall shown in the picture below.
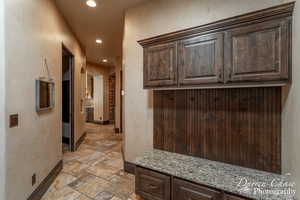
(163, 16)
(2, 103)
(36, 30)
(98, 98)
(97, 69)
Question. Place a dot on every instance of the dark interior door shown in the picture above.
(68, 94)
(66, 101)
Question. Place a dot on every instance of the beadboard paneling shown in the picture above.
(238, 126)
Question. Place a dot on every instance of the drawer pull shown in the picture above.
(150, 186)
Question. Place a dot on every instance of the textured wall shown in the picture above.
(2, 103)
(163, 16)
(291, 110)
(35, 30)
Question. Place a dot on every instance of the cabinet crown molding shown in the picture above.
(283, 10)
(254, 49)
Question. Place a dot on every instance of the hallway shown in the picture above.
(95, 170)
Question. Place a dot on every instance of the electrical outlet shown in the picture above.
(33, 179)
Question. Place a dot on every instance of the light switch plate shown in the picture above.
(13, 120)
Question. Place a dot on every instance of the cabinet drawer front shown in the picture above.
(152, 185)
(183, 190)
(258, 52)
(232, 197)
(160, 66)
(200, 60)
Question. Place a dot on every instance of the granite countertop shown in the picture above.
(226, 177)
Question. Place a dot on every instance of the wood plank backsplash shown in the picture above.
(238, 126)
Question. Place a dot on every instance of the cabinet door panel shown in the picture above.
(257, 52)
(160, 67)
(152, 185)
(183, 190)
(201, 60)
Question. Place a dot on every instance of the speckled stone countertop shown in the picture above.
(226, 177)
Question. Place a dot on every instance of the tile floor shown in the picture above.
(95, 170)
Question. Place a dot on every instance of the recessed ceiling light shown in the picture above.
(104, 60)
(91, 3)
(98, 41)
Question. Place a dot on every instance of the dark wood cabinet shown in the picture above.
(258, 52)
(232, 197)
(183, 190)
(250, 49)
(160, 65)
(200, 60)
(152, 185)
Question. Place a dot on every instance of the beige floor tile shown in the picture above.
(65, 193)
(105, 173)
(115, 198)
(75, 168)
(83, 197)
(95, 170)
(104, 196)
(62, 180)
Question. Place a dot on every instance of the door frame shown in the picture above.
(72, 110)
(121, 101)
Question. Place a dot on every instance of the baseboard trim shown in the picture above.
(79, 142)
(129, 167)
(45, 184)
(105, 122)
(101, 122)
(66, 140)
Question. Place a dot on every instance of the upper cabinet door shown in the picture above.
(200, 60)
(160, 66)
(258, 52)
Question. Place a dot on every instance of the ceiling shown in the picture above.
(105, 22)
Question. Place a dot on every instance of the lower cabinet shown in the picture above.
(232, 197)
(183, 190)
(152, 185)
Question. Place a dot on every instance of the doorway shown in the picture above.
(68, 140)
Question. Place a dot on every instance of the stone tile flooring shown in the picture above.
(95, 170)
